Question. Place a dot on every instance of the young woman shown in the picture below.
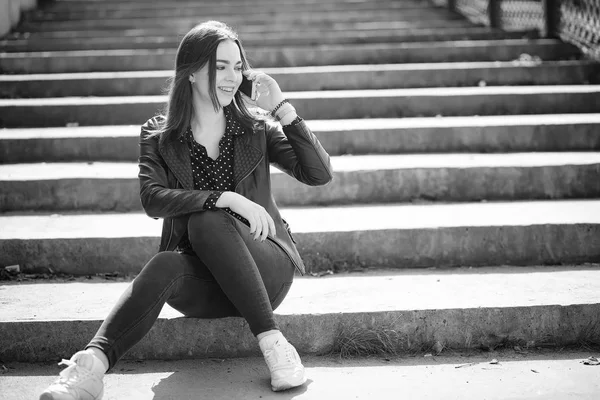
(225, 250)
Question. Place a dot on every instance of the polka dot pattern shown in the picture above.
(215, 175)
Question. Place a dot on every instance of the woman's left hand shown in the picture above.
(269, 93)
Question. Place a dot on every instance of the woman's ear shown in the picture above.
(192, 80)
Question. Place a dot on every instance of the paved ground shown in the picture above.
(540, 375)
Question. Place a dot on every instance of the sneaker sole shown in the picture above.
(48, 396)
(279, 386)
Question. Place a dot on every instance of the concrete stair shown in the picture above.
(330, 238)
(343, 77)
(338, 104)
(466, 191)
(540, 309)
(293, 56)
(357, 179)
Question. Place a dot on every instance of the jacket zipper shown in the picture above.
(274, 241)
(248, 174)
(171, 229)
(170, 235)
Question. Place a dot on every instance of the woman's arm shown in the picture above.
(294, 148)
(296, 151)
(158, 200)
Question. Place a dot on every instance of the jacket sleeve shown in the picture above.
(296, 151)
(158, 199)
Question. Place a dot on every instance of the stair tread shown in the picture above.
(350, 163)
(408, 67)
(319, 219)
(326, 125)
(348, 47)
(327, 94)
(344, 293)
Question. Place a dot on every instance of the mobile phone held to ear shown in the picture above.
(248, 88)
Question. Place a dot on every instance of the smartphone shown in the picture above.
(248, 88)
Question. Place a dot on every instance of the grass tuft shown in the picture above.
(589, 337)
(361, 342)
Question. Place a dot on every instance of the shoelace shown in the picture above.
(73, 374)
(289, 356)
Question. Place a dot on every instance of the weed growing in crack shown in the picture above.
(361, 342)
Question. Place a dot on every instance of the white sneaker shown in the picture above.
(81, 380)
(284, 364)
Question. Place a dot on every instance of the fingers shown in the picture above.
(265, 227)
(253, 226)
(259, 77)
(262, 225)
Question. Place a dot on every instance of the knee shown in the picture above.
(205, 224)
(164, 265)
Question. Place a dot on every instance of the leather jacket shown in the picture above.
(167, 185)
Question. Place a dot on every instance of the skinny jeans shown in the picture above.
(228, 274)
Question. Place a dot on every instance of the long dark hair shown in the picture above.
(197, 48)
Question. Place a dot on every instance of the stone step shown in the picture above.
(506, 133)
(341, 77)
(117, 4)
(336, 238)
(79, 11)
(357, 180)
(162, 9)
(295, 20)
(257, 39)
(341, 104)
(293, 56)
(333, 29)
(546, 305)
(249, 14)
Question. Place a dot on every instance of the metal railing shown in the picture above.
(573, 21)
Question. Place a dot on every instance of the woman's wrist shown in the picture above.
(280, 104)
(287, 118)
(224, 200)
(285, 113)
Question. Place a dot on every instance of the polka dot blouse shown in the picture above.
(214, 175)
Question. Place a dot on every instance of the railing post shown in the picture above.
(551, 17)
(452, 5)
(495, 13)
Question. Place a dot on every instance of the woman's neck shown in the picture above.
(205, 119)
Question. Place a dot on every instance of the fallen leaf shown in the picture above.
(533, 370)
(494, 361)
(591, 361)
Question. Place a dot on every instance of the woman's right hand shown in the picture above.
(261, 223)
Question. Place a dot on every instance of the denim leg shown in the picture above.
(254, 275)
(167, 276)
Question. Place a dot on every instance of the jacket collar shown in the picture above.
(246, 157)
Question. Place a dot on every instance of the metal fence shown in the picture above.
(574, 21)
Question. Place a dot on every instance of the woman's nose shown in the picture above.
(232, 75)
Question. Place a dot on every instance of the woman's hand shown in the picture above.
(269, 93)
(261, 223)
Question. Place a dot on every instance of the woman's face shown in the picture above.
(228, 74)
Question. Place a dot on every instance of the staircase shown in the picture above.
(464, 211)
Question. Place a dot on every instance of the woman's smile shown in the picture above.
(227, 89)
